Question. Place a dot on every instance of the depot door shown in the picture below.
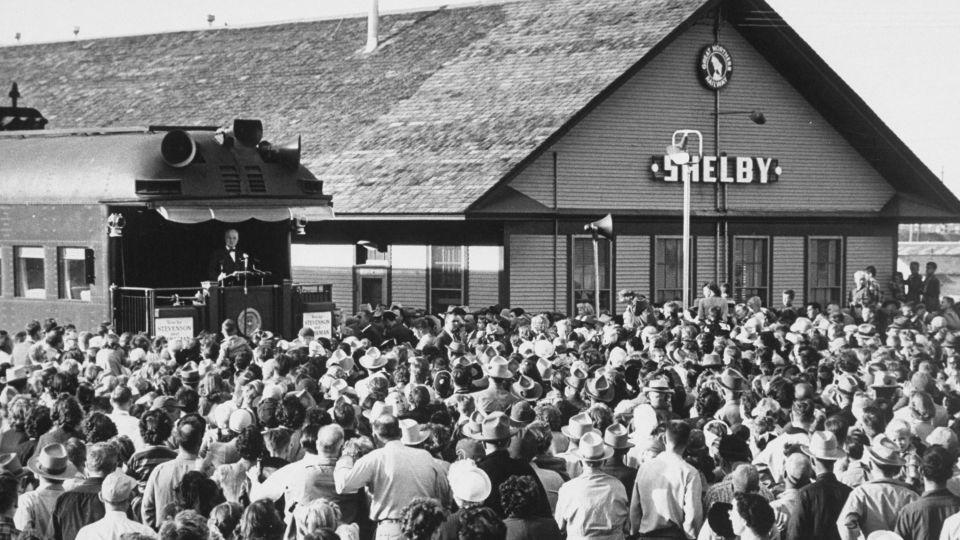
(370, 286)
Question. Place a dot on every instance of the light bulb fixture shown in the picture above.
(300, 225)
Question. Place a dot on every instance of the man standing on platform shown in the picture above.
(226, 260)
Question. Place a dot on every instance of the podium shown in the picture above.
(254, 307)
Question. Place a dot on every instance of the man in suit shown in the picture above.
(226, 260)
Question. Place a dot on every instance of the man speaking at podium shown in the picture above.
(228, 259)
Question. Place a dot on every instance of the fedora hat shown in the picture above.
(526, 349)
(373, 359)
(617, 437)
(578, 375)
(823, 445)
(11, 463)
(52, 462)
(522, 414)
(866, 330)
(499, 368)
(599, 389)
(495, 426)
(412, 433)
(658, 384)
(885, 379)
(545, 368)
(731, 379)
(472, 425)
(378, 409)
(592, 448)
(883, 451)
(578, 426)
(468, 482)
(528, 388)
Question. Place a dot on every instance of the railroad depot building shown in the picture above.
(467, 151)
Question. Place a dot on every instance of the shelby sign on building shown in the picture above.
(714, 169)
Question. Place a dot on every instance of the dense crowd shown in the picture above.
(725, 420)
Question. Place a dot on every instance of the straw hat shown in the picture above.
(592, 448)
(883, 451)
(731, 379)
(658, 384)
(578, 426)
(578, 375)
(599, 389)
(617, 437)
(495, 427)
(52, 462)
(528, 388)
(378, 409)
(823, 445)
(499, 368)
(543, 348)
(412, 433)
(468, 482)
(373, 359)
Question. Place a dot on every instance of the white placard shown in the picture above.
(174, 327)
(321, 322)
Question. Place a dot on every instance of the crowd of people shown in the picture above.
(726, 420)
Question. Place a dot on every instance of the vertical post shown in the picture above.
(686, 240)
(596, 273)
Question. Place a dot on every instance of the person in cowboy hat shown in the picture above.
(598, 389)
(470, 487)
(81, 504)
(822, 500)
(35, 508)
(498, 395)
(732, 385)
(375, 363)
(874, 505)
(495, 432)
(393, 474)
(593, 504)
(659, 393)
(618, 438)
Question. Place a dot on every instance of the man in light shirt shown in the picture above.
(116, 492)
(121, 398)
(394, 474)
(667, 495)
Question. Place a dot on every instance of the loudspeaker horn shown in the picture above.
(177, 148)
(602, 226)
(289, 155)
(248, 132)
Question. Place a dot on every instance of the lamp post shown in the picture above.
(677, 152)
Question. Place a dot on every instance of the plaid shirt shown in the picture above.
(7, 530)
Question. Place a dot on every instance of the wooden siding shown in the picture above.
(704, 268)
(409, 287)
(863, 251)
(789, 268)
(603, 162)
(340, 278)
(531, 272)
(633, 265)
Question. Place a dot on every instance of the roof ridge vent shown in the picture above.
(373, 27)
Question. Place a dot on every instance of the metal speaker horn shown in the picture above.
(177, 148)
(287, 156)
(602, 226)
(248, 132)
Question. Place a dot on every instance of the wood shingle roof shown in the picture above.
(451, 101)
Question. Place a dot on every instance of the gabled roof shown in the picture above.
(452, 103)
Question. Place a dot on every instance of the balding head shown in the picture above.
(329, 440)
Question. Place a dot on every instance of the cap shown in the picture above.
(117, 488)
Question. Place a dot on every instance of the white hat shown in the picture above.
(240, 419)
(468, 482)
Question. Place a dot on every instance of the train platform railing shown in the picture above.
(135, 309)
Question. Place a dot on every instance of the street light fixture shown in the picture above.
(678, 153)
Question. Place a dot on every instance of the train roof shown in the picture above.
(124, 166)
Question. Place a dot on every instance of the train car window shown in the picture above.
(74, 283)
(28, 273)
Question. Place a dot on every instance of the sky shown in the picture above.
(901, 57)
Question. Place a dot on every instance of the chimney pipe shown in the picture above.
(373, 27)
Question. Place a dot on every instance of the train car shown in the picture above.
(118, 224)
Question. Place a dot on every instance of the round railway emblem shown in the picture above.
(249, 321)
(715, 66)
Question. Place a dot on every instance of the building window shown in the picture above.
(582, 272)
(28, 272)
(751, 263)
(668, 269)
(447, 277)
(824, 270)
(72, 273)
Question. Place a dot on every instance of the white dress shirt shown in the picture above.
(112, 526)
(668, 492)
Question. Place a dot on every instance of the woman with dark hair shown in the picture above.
(155, 429)
(97, 427)
(421, 518)
(260, 521)
(481, 523)
(517, 494)
(752, 517)
(15, 416)
(194, 492)
(66, 415)
(420, 409)
(38, 423)
(187, 525)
